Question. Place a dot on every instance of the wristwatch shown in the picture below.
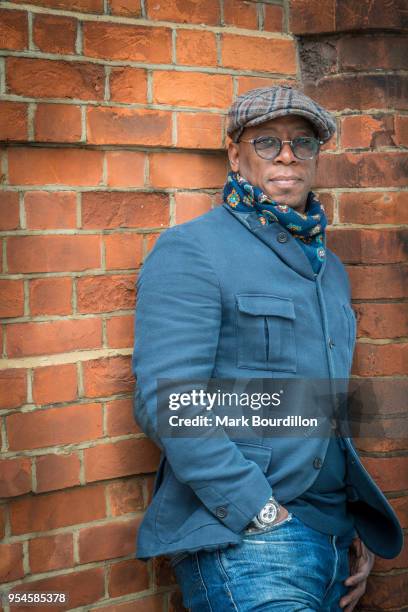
(267, 516)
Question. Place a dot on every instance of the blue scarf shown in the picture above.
(308, 228)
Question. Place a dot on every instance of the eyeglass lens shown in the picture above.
(302, 147)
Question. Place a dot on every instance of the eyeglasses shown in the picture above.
(269, 147)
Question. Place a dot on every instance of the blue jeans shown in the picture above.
(290, 568)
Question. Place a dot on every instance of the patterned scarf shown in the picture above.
(308, 227)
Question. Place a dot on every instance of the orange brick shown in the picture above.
(368, 207)
(273, 18)
(373, 282)
(150, 240)
(368, 245)
(241, 14)
(55, 510)
(193, 89)
(38, 166)
(11, 298)
(53, 253)
(43, 78)
(13, 388)
(400, 505)
(191, 205)
(245, 83)
(51, 552)
(196, 48)
(13, 120)
(55, 383)
(50, 337)
(360, 131)
(119, 418)
(15, 477)
(128, 85)
(11, 562)
(104, 209)
(391, 473)
(57, 472)
(187, 170)
(50, 209)
(2, 521)
(13, 30)
(120, 331)
(9, 210)
(107, 541)
(50, 296)
(127, 42)
(401, 130)
(127, 8)
(184, 11)
(380, 359)
(106, 293)
(199, 130)
(128, 576)
(68, 425)
(54, 34)
(134, 456)
(123, 251)
(84, 6)
(125, 496)
(125, 168)
(57, 123)
(110, 125)
(108, 376)
(377, 320)
(256, 53)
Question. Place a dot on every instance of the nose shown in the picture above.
(286, 155)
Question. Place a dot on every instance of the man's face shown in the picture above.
(286, 179)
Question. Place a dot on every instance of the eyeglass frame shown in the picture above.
(282, 142)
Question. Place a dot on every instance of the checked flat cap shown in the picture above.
(259, 105)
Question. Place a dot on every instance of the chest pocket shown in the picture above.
(265, 332)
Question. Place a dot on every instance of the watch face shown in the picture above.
(268, 513)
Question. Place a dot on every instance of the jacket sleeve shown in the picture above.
(178, 318)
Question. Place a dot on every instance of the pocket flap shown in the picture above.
(262, 305)
(261, 455)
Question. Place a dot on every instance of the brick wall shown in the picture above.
(112, 122)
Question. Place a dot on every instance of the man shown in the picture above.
(250, 290)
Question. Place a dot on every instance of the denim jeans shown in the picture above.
(290, 567)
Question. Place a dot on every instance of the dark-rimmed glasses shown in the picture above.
(269, 147)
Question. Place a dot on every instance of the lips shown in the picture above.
(285, 181)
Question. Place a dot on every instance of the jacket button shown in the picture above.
(282, 237)
(331, 343)
(221, 512)
(317, 463)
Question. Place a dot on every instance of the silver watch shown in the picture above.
(267, 515)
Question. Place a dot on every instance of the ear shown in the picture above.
(233, 156)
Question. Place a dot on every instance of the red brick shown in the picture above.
(360, 131)
(191, 205)
(38, 166)
(57, 472)
(163, 573)
(380, 359)
(50, 337)
(57, 123)
(187, 170)
(81, 588)
(245, 83)
(123, 251)
(11, 562)
(50, 209)
(125, 168)
(110, 125)
(50, 296)
(150, 240)
(51, 553)
(401, 130)
(15, 476)
(399, 562)
(2, 521)
(13, 30)
(375, 14)
(373, 282)
(152, 603)
(370, 169)
(106, 210)
(68, 425)
(196, 48)
(106, 293)
(9, 210)
(367, 207)
(362, 52)
(387, 320)
(127, 8)
(120, 419)
(192, 89)
(11, 298)
(134, 456)
(120, 331)
(184, 11)
(43, 78)
(128, 85)
(327, 201)
(400, 505)
(13, 121)
(256, 53)
(129, 576)
(53, 253)
(368, 245)
(199, 131)
(107, 541)
(55, 383)
(125, 496)
(273, 18)
(241, 14)
(388, 442)
(391, 473)
(54, 34)
(84, 6)
(127, 42)
(307, 16)
(108, 376)
(54, 510)
(13, 388)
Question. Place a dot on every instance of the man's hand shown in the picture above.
(361, 562)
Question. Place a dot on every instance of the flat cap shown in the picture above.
(259, 105)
